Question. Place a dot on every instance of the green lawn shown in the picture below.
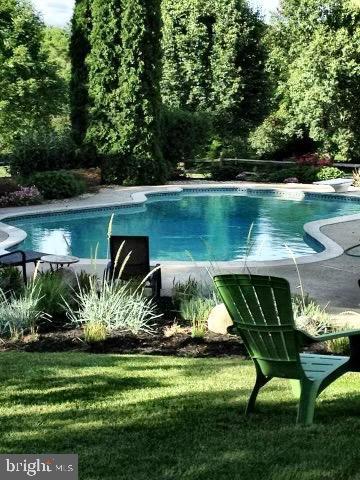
(4, 171)
(161, 418)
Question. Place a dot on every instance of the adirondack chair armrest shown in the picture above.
(333, 336)
(306, 339)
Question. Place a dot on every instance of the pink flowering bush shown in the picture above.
(22, 196)
(314, 159)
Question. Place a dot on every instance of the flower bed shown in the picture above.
(21, 197)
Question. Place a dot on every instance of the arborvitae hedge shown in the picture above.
(79, 49)
(121, 77)
(104, 68)
(139, 92)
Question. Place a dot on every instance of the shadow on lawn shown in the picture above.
(165, 433)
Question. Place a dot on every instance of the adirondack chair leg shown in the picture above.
(261, 380)
(309, 392)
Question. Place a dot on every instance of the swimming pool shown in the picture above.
(200, 225)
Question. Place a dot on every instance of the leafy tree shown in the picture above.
(56, 47)
(314, 63)
(214, 61)
(29, 85)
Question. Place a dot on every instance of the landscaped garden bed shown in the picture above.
(59, 311)
(182, 345)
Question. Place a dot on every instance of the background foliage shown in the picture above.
(138, 86)
(314, 63)
(213, 61)
(31, 91)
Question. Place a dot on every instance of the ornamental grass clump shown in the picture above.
(309, 316)
(20, 315)
(185, 291)
(196, 310)
(111, 305)
(53, 289)
(356, 177)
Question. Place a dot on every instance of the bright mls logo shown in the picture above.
(40, 467)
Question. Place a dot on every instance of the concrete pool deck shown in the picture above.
(332, 281)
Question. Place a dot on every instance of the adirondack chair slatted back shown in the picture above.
(261, 310)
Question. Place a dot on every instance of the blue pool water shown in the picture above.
(202, 226)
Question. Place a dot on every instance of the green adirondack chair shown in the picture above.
(262, 313)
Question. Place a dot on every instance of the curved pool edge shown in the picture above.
(313, 229)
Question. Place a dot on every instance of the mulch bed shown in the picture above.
(182, 345)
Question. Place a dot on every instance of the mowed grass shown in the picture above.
(162, 418)
(4, 171)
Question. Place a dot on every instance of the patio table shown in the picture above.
(59, 260)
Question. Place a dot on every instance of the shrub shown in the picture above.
(19, 315)
(90, 176)
(183, 134)
(269, 137)
(22, 197)
(57, 184)
(8, 185)
(314, 159)
(53, 291)
(196, 310)
(305, 174)
(328, 173)
(11, 281)
(41, 151)
(221, 172)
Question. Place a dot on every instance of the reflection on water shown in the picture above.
(201, 227)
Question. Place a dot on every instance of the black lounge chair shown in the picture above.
(20, 258)
(138, 264)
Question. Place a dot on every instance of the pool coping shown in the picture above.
(313, 229)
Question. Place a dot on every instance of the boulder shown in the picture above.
(219, 320)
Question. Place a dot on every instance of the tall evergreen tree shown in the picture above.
(119, 111)
(103, 62)
(139, 94)
(79, 49)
